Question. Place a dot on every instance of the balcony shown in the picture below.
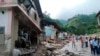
(27, 5)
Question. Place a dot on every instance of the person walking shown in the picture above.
(82, 42)
(98, 50)
(95, 46)
(86, 42)
(91, 44)
(73, 42)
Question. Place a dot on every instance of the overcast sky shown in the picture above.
(64, 9)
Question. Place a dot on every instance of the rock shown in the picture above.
(71, 54)
(66, 51)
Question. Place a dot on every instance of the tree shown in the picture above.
(82, 24)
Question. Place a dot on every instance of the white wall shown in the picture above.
(4, 18)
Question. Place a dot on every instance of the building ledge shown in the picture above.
(8, 5)
(22, 10)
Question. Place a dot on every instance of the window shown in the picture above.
(2, 12)
(2, 30)
(35, 16)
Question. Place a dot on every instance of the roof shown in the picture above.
(98, 14)
(38, 7)
(45, 22)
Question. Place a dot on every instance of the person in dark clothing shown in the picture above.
(95, 46)
(98, 50)
(86, 42)
(91, 44)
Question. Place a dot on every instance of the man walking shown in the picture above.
(82, 42)
(91, 44)
(73, 42)
(95, 46)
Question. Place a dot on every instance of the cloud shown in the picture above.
(64, 9)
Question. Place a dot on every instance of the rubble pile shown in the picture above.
(64, 53)
(54, 49)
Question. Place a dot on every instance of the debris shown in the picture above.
(55, 49)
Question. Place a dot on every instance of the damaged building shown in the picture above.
(20, 23)
(51, 30)
(98, 18)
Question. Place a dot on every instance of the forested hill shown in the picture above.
(82, 24)
(60, 22)
(79, 24)
(63, 22)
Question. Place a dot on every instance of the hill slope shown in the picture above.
(82, 24)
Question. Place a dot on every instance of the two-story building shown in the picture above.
(19, 22)
(98, 18)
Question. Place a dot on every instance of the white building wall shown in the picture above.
(4, 18)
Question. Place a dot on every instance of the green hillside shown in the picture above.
(79, 24)
(82, 24)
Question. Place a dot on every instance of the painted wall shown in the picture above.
(4, 18)
(10, 23)
(4, 21)
(50, 31)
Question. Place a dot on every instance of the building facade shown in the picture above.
(19, 20)
(98, 18)
(50, 33)
(51, 30)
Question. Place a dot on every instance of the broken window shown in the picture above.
(2, 30)
(35, 16)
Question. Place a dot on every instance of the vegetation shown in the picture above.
(82, 24)
(79, 24)
(48, 18)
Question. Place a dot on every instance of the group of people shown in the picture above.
(92, 43)
(84, 41)
(95, 46)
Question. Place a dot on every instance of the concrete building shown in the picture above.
(51, 30)
(18, 19)
(98, 18)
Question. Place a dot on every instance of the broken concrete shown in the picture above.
(55, 49)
